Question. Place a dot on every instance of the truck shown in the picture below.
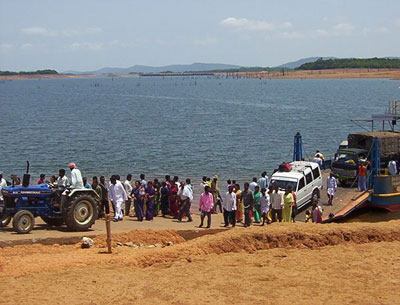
(347, 160)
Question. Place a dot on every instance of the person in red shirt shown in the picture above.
(362, 177)
(42, 179)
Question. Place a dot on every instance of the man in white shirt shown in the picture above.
(229, 206)
(62, 180)
(263, 181)
(128, 190)
(392, 167)
(3, 183)
(142, 181)
(253, 184)
(318, 159)
(331, 186)
(276, 204)
(118, 195)
(185, 196)
(76, 176)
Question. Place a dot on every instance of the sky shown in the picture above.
(89, 35)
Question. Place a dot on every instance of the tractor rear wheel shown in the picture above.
(23, 222)
(56, 222)
(81, 213)
(5, 220)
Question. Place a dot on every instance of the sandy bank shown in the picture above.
(281, 263)
(323, 74)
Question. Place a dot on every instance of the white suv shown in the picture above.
(305, 179)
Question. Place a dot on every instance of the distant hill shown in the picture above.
(195, 67)
(347, 63)
(298, 63)
(42, 72)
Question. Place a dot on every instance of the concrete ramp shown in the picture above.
(359, 201)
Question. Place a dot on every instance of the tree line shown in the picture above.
(336, 63)
(47, 71)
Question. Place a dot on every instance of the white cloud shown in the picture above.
(81, 32)
(40, 31)
(397, 22)
(243, 24)
(204, 42)
(89, 46)
(5, 46)
(286, 25)
(319, 33)
(292, 35)
(123, 44)
(343, 29)
(26, 46)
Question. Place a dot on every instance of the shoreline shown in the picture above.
(286, 74)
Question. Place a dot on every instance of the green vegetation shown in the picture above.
(345, 63)
(47, 71)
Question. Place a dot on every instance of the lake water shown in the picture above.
(181, 126)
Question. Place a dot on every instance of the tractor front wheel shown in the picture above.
(23, 222)
(81, 213)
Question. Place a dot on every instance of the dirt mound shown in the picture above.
(274, 236)
(18, 260)
(144, 237)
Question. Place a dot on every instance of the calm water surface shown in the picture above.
(185, 126)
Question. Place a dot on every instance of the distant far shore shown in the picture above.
(321, 74)
(281, 74)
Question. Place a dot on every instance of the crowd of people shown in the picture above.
(258, 202)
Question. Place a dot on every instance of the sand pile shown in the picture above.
(144, 237)
(17, 260)
(275, 236)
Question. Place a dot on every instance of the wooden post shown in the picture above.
(108, 228)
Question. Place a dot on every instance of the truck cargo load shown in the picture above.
(389, 143)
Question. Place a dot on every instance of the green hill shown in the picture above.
(48, 71)
(345, 63)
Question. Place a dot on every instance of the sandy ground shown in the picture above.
(278, 264)
(329, 73)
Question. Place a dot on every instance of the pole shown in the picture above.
(375, 161)
(298, 147)
(108, 229)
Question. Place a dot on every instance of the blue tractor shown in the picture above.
(78, 209)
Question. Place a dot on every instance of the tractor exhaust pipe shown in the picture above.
(26, 179)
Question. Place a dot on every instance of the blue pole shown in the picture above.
(298, 147)
(375, 161)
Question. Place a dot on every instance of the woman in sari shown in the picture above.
(288, 201)
(173, 203)
(138, 195)
(257, 205)
(156, 186)
(150, 193)
(164, 199)
(239, 203)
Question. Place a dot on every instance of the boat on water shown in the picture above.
(379, 148)
(386, 193)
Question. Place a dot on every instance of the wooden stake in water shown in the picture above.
(108, 229)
